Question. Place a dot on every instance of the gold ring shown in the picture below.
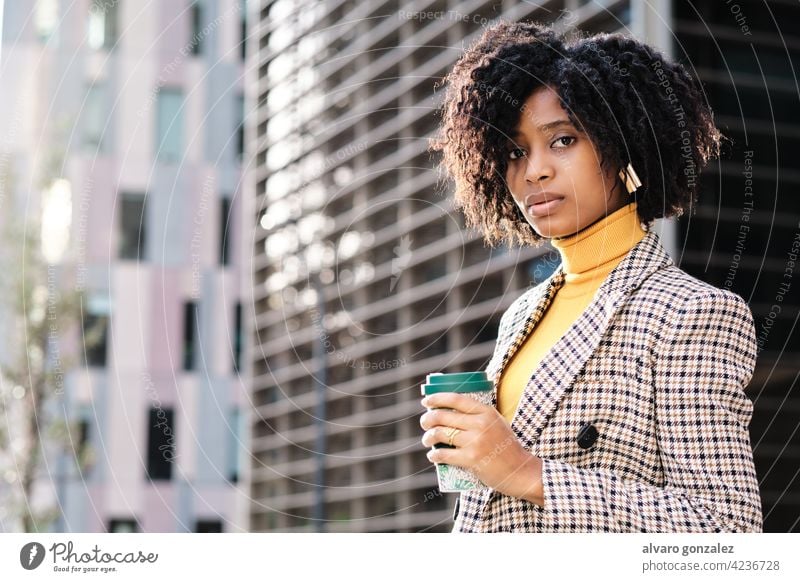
(451, 434)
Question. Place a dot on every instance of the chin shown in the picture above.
(549, 231)
(550, 234)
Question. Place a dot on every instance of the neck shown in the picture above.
(605, 240)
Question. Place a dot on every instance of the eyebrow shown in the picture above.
(546, 126)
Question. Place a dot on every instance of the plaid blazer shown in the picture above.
(638, 411)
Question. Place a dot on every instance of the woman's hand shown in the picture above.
(484, 444)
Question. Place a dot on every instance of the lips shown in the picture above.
(543, 203)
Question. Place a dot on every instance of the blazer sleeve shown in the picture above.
(702, 365)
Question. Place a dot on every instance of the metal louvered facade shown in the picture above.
(745, 234)
(363, 278)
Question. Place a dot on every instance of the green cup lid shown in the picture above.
(461, 387)
(439, 377)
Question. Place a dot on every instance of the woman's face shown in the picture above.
(554, 172)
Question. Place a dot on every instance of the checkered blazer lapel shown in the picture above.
(557, 370)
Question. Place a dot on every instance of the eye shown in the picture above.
(516, 153)
(561, 140)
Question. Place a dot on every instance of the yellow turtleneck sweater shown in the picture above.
(587, 258)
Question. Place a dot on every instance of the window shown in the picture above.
(237, 339)
(102, 29)
(83, 434)
(133, 227)
(208, 526)
(243, 30)
(94, 117)
(234, 443)
(189, 332)
(160, 444)
(224, 230)
(196, 42)
(95, 332)
(170, 125)
(123, 526)
(240, 126)
(46, 19)
(80, 439)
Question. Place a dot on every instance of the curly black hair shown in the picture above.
(632, 102)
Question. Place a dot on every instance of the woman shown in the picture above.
(619, 381)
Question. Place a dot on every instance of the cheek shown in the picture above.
(511, 181)
(607, 181)
(594, 168)
(511, 173)
(605, 174)
(589, 175)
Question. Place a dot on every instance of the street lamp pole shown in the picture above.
(321, 385)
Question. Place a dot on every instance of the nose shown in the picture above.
(538, 168)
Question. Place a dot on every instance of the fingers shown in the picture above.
(445, 457)
(441, 417)
(442, 434)
(459, 402)
(453, 419)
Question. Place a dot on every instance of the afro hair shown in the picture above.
(633, 103)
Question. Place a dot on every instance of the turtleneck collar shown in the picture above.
(606, 240)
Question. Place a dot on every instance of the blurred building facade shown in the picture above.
(136, 109)
(364, 279)
(745, 235)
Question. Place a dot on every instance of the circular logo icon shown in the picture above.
(31, 555)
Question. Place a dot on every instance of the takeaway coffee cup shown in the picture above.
(476, 385)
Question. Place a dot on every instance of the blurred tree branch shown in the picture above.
(40, 316)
